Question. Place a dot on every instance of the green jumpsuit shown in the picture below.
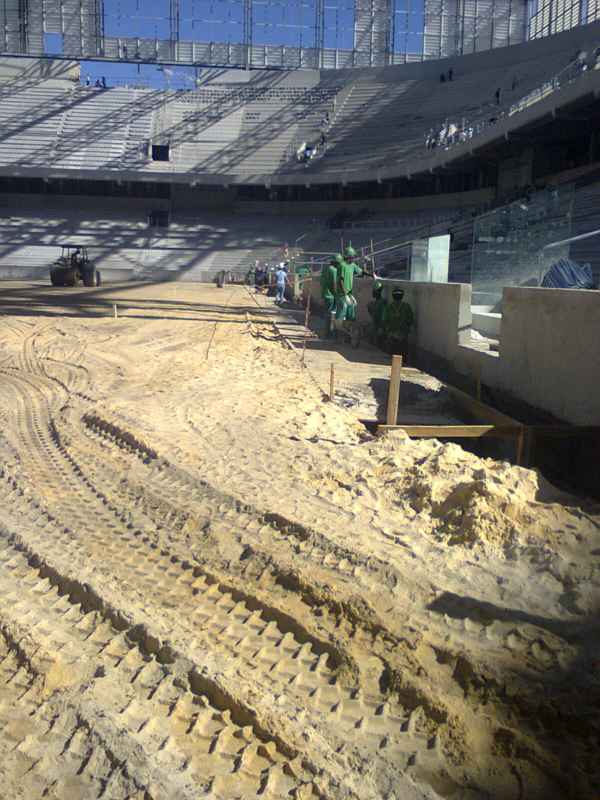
(328, 286)
(346, 303)
(377, 308)
(397, 321)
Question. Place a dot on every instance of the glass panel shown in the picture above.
(510, 244)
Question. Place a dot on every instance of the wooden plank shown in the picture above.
(455, 431)
(520, 447)
(394, 390)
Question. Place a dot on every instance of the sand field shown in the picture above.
(214, 583)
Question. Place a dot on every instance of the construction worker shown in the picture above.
(376, 309)
(398, 319)
(350, 257)
(329, 278)
(346, 302)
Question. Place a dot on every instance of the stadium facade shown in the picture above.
(384, 32)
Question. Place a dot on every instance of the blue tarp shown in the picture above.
(567, 274)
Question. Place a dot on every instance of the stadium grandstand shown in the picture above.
(257, 147)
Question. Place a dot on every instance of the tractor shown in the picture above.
(73, 267)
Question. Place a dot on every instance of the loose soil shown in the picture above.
(215, 583)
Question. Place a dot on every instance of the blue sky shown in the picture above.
(287, 22)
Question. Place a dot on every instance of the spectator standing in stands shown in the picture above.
(88, 80)
(497, 96)
(442, 78)
(281, 280)
(103, 81)
(450, 74)
(98, 85)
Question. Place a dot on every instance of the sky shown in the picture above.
(276, 22)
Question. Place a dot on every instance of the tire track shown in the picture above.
(202, 613)
(186, 742)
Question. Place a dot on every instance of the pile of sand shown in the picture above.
(467, 500)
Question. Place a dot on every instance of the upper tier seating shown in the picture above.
(248, 127)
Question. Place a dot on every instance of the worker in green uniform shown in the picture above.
(398, 319)
(354, 270)
(376, 309)
(345, 301)
(302, 270)
(329, 280)
(351, 257)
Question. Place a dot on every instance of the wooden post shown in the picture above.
(394, 390)
(307, 309)
(331, 381)
(520, 446)
(115, 310)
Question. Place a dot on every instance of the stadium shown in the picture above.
(299, 399)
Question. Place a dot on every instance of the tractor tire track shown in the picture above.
(199, 610)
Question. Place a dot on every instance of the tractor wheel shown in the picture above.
(98, 279)
(87, 276)
(70, 277)
(56, 277)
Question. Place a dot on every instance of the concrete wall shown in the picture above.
(549, 349)
(549, 355)
(442, 315)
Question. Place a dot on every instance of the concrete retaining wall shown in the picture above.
(549, 351)
(549, 356)
(442, 315)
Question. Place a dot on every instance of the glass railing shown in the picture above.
(510, 243)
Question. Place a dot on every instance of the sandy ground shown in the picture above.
(214, 583)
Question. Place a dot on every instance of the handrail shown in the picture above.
(577, 238)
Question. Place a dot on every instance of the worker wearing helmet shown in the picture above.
(329, 276)
(346, 303)
(376, 309)
(329, 280)
(398, 320)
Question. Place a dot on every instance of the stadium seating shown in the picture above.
(247, 127)
(123, 246)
